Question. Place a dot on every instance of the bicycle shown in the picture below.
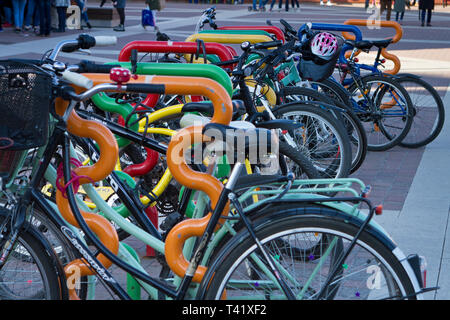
(427, 106)
(286, 74)
(394, 266)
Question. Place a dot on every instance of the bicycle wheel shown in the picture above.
(349, 119)
(59, 243)
(333, 90)
(385, 109)
(29, 272)
(428, 111)
(371, 271)
(321, 138)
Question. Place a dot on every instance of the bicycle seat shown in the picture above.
(244, 140)
(207, 108)
(362, 45)
(382, 43)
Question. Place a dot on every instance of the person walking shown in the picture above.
(83, 9)
(426, 7)
(120, 7)
(7, 10)
(61, 8)
(1, 13)
(296, 3)
(386, 5)
(32, 17)
(399, 8)
(45, 21)
(18, 12)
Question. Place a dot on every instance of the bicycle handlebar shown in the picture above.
(77, 79)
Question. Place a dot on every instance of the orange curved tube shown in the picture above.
(393, 58)
(184, 86)
(198, 181)
(223, 110)
(176, 163)
(109, 152)
(101, 227)
(385, 24)
(189, 178)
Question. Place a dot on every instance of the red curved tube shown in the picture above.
(140, 169)
(173, 47)
(270, 29)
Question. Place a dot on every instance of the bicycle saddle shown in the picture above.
(362, 45)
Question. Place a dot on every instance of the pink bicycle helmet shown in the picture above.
(324, 45)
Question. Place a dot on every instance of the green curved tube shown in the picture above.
(109, 104)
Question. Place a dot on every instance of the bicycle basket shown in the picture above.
(25, 98)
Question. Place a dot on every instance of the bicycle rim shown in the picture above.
(389, 122)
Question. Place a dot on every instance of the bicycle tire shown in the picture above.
(376, 129)
(333, 90)
(235, 252)
(333, 163)
(304, 168)
(421, 113)
(33, 260)
(351, 122)
(60, 245)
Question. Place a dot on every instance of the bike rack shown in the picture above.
(269, 29)
(226, 38)
(223, 52)
(384, 24)
(109, 152)
(223, 109)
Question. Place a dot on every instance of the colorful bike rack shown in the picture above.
(224, 53)
(384, 24)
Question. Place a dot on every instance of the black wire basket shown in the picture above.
(25, 99)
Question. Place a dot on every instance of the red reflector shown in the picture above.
(356, 60)
(379, 209)
(284, 131)
(383, 60)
